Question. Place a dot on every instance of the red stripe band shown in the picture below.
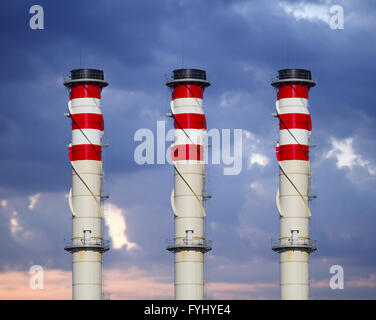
(292, 91)
(187, 152)
(85, 91)
(87, 121)
(292, 152)
(187, 91)
(85, 152)
(190, 121)
(295, 121)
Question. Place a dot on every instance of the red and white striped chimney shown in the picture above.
(294, 244)
(187, 199)
(85, 198)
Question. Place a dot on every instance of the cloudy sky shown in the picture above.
(240, 44)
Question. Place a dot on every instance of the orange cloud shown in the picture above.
(133, 283)
(243, 291)
(369, 282)
(127, 284)
(118, 284)
(14, 285)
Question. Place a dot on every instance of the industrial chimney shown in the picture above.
(187, 198)
(85, 197)
(294, 244)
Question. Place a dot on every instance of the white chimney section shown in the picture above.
(187, 199)
(294, 244)
(87, 244)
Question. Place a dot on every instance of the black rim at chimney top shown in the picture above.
(79, 76)
(294, 74)
(189, 74)
(94, 74)
(184, 76)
